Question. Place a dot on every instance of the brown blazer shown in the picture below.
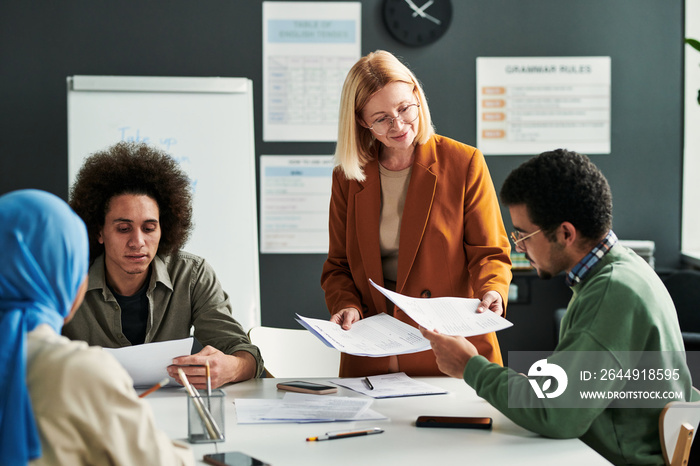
(452, 243)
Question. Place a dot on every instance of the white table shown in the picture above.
(402, 443)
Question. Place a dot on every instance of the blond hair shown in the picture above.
(367, 77)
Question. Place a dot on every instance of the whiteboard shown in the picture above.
(206, 124)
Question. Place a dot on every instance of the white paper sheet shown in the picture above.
(147, 364)
(375, 336)
(389, 386)
(303, 407)
(449, 316)
(299, 407)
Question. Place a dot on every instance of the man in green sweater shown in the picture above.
(619, 337)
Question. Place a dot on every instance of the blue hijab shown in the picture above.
(43, 261)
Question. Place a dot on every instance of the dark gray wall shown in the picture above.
(43, 42)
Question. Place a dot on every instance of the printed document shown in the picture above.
(375, 336)
(300, 407)
(147, 364)
(449, 316)
(389, 386)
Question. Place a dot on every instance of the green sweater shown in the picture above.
(620, 306)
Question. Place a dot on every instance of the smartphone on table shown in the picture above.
(455, 422)
(307, 387)
(232, 458)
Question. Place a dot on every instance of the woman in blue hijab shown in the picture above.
(44, 257)
(43, 270)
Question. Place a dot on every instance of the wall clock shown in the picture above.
(417, 22)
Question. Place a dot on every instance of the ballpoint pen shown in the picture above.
(368, 383)
(339, 435)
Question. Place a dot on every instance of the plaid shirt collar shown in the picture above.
(580, 270)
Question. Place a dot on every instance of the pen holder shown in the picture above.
(197, 429)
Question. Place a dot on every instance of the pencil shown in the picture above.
(208, 386)
(208, 380)
(162, 383)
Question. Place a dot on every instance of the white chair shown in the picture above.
(678, 423)
(294, 353)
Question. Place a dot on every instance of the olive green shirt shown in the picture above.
(183, 292)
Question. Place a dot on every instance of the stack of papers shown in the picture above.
(300, 407)
(389, 386)
(375, 336)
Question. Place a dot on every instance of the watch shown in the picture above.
(417, 22)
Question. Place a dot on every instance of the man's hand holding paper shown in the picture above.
(449, 316)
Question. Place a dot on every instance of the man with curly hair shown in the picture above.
(620, 313)
(137, 204)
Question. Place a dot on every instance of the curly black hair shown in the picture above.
(134, 168)
(562, 186)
